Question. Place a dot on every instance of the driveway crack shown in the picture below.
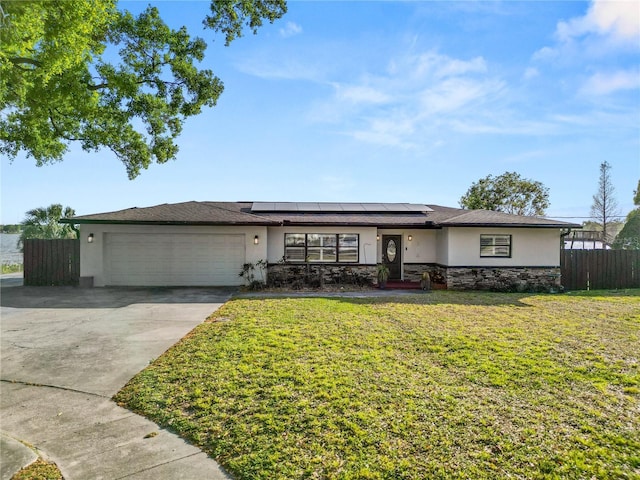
(66, 389)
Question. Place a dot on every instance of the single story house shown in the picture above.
(207, 243)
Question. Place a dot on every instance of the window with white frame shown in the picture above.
(321, 247)
(495, 246)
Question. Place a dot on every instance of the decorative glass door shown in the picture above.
(392, 255)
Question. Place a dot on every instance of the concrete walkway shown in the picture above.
(65, 352)
(13, 456)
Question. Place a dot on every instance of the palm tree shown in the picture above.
(43, 222)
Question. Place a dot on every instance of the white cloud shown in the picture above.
(397, 106)
(617, 19)
(598, 119)
(607, 26)
(360, 94)
(530, 73)
(453, 94)
(607, 83)
(290, 29)
(546, 53)
(505, 125)
(387, 132)
(434, 65)
(284, 69)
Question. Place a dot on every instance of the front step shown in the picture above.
(402, 285)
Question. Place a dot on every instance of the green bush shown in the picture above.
(12, 267)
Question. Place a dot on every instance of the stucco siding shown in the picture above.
(447, 247)
(442, 246)
(92, 255)
(529, 247)
(367, 247)
(421, 248)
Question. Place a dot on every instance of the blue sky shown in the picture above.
(387, 102)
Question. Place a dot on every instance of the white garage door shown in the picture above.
(173, 259)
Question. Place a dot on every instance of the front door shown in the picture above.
(392, 255)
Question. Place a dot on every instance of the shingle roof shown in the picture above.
(191, 213)
(355, 219)
(471, 218)
(338, 207)
(379, 215)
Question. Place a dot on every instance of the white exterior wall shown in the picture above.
(367, 240)
(452, 247)
(530, 247)
(442, 246)
(421, 249)
(92, 255)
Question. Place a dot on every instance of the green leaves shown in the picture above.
(156, 84)
(629, 237)
(43, 222)
(508, 193)
(46, 47)
(58, 84)
(231, 16)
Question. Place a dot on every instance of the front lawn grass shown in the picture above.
(39, 470)
(436, 385)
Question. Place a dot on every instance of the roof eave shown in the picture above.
(359, 224)
(162, 222)
(511, 225)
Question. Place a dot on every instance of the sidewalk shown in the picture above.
(364, 293)
(14, 455)
(89, 436)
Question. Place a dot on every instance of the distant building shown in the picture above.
(585, 240)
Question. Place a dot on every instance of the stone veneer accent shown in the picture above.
(413, 272)
(317, 274)
(504, 279)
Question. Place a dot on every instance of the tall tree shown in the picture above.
(57, 85)
(604, 208)
(509, 193)
(44, 222)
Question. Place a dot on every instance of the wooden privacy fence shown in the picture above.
(597, 269)
(51, 262)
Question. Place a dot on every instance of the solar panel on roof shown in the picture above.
(416, 207)
(374, 207)
(263, 206)
(286, 207)
(307, 207)
(331, 207)
(326, 207)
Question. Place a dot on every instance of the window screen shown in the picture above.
(495, 246)
(321, 247)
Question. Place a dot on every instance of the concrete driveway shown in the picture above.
(66, 351)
